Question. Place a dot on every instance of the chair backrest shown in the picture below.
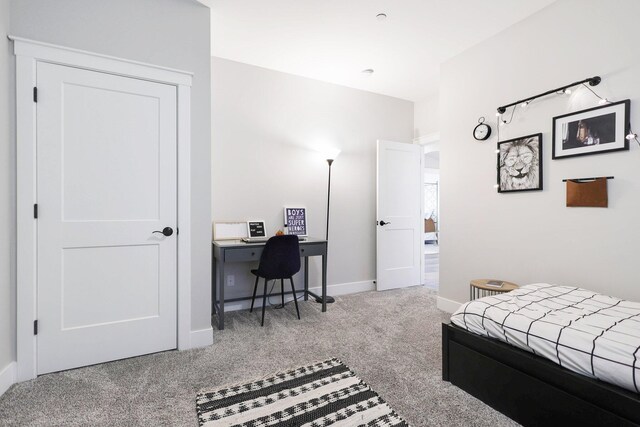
(280, 258)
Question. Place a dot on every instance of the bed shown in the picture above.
(548, 355)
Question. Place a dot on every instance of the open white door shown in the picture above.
(399, 214)
(106, 182)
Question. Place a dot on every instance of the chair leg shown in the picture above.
(264, 301)
(255, 288)
(282, 291)
(295, 298)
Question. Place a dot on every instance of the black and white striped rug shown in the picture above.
(323, 394)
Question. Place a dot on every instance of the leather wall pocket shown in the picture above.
(591, 194)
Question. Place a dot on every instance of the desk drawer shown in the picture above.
(243, 254)
(312, 249)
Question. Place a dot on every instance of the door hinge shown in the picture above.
(35, 327)
(35, 211)
(35, 94)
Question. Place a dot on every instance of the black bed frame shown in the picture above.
(530, 389)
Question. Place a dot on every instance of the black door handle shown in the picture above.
(382, 223)
(167, 231)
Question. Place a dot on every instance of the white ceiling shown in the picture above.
(334, 40)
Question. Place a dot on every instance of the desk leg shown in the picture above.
(324, 282)
(221, 282)
(214, 286)
(306, 278)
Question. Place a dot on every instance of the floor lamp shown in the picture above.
(331, 156)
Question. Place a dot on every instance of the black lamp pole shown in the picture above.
(330, 299)
(330, 162)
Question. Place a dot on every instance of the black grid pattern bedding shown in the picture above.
(589, 333)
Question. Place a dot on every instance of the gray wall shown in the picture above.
(172, 33)
(7, 193)
(530, 237)
(266, 128)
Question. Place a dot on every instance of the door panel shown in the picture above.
(96, 285)
(399, 215)
(122, 160)
(106, 178)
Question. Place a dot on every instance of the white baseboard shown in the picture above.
(8, 377)
(333, 290)
(448, 305)
(346, 288)
(202, 338)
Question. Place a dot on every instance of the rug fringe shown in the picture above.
(244, 382)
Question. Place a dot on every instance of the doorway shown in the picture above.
(431, 198)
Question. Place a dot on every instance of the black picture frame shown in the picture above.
(510, 186)
(613, 121)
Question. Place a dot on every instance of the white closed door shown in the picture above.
(106, 180)
(398, 229)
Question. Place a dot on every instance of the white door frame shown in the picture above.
(28, 54)
(429, 142)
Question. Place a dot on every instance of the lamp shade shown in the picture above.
(330, 153)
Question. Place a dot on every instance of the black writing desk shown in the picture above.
(237, 251)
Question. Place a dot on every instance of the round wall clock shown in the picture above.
(482, 131)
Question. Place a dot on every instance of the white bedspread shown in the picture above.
(586, 332)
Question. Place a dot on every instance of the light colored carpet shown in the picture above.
(389, 339)
(432, 269)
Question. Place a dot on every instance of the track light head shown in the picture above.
(595, 81)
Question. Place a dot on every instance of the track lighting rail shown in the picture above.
(593, 81)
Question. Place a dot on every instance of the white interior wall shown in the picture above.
(532, 237)
(7, 195)
(266, 128)
(426, 117)
(171, 33)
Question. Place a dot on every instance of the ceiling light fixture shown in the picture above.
(564, 90)
(381, 16)
(368, 71)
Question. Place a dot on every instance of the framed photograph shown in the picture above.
(520, 164)
(295, 221)
(593, 131)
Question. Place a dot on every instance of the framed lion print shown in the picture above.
(520, 164)
(593, 131)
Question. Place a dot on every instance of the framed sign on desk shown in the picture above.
(295, 221)
(256, 229)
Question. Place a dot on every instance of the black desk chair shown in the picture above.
(280, 260)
